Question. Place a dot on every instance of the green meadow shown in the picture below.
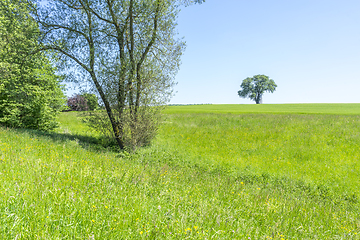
(289, 171)
(307, 108)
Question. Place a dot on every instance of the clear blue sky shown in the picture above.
(311, 48)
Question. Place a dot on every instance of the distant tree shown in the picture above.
(255, 87)
(77, 103)
(92, 101)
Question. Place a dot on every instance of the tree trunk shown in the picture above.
(109, 111)
(115, 127)
(258, 98)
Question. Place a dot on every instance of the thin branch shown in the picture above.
(56, 48)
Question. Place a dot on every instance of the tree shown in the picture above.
(77, 103)
(255, 87)
(30, 93)
(91, 100)
(128, 51)
(83, 102)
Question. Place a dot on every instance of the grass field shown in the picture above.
(213, 172)
(310, 108)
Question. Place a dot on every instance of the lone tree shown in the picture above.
(255, 87)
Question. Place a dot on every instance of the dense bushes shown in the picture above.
(30, 92)
(83, 102)
(77, 103)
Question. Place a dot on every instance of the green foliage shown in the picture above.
(92, 101)
(148, 120)
(30, 93)
(132, 56)
(255, 87)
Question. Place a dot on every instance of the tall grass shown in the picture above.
(321, 149)
(59, 186)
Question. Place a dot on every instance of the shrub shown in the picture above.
(92, 101)
(77, 103)
(30, 92)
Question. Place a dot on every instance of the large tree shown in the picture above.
(128, 51)
(30, 93)
(255, 87)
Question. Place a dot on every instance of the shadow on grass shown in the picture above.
(86, 142)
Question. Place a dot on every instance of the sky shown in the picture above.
(310, 48)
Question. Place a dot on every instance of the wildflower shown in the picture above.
(141, 232)
(93, 220)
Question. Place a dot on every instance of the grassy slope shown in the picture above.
(56, 186)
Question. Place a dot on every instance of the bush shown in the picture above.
(83, 102)
(77, 103)
(30, 93)
(135, 133)
(92, 101)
